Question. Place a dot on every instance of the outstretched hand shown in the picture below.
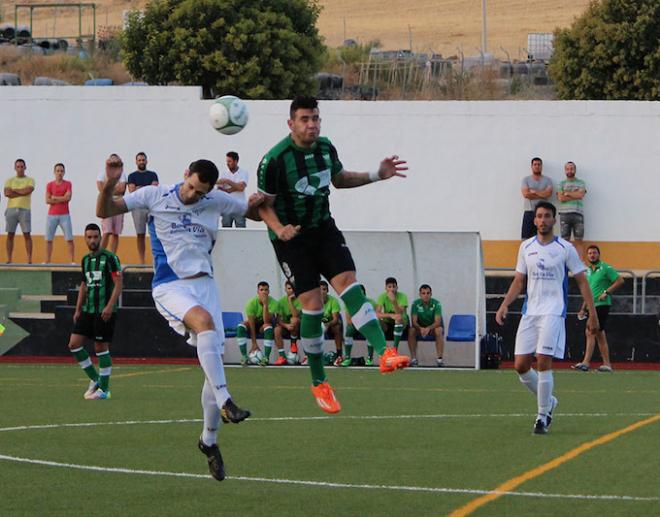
(392, 166)
(113, 168)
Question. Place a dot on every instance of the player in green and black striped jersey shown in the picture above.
(96, 311)
(295, 176)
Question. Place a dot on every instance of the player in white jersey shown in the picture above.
(183, 222)
(543, 265)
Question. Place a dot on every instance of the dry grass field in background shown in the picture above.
(441, 26)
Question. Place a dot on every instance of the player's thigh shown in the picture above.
(527, 336)
(173, 301)
(297, 259)
(552, 336)
(333, 256)
(84, 325)
(104, 330)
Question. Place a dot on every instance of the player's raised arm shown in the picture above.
(106, 205)
(389, 167)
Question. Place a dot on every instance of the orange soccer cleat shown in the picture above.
(281, 360)
(325, 398)
(390, 361)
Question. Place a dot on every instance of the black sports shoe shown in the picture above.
(540, 427)
(214, 458)
(230, 412)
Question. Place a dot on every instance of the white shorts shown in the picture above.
(541, 335)
(175, 299)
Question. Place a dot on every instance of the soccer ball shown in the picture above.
(291, 358)
(255, 356)
(228, 115)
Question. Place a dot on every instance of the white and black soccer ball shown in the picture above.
(228, 115)
(255, 356)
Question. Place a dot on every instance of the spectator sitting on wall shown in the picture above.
(392, 309)
(571, 214)
(136, 180)
(18, 191)
(426, 320)
(331, 321)
(288, 322)
(260, 312)
(112, 226)
(535, 188)
(603, 280)
(233, 180)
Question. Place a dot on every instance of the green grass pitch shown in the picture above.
(411, 443)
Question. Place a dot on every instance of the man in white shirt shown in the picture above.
(183, 222)
(543, 265)
(111, 227)
(233, 180)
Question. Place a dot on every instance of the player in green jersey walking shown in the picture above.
(295, 177)
(96, 312)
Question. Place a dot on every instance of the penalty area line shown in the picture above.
(323, 484)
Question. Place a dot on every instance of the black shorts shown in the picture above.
(528, 228)
(603, 312)
(312, 253)
(92, 326)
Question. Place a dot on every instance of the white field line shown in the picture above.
(325, 484)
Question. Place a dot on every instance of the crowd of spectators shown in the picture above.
(19, 188)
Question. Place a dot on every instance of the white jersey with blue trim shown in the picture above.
(546, 267)
(182, 236)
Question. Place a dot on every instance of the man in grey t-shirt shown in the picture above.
(535, 188)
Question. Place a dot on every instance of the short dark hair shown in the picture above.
(92, 227)
(19, 160)
(537, 159)
(263, 283)
(141, 153)
(302, 102)
(593, 247)
(572, 163)
(206, 171)
(323, 283)
(233, 155)
(288, 282)
(59, 165)
(391, 280)
(547, 206)
(425, 286)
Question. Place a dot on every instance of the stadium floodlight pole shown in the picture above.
(484, 30)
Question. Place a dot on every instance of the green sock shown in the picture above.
(364, 317)
(348, 341)
(280, 352)
(85, 363)
(398, 332)
(105, 369)
(241, 339)
(269, 340)
(311, 335)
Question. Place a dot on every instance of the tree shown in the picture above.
(256, 49)
(611, 52)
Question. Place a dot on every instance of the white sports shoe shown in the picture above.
(93, 386)
(99, 394)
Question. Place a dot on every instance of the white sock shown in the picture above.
(208, 353)
(211, 415)
(546, 383)
(530, 380)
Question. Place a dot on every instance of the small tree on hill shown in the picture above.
(261, 49)
(610, 52)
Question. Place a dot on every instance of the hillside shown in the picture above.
(442, 26)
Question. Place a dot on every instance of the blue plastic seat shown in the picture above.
(230, 321)
(462, 327)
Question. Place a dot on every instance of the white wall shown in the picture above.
(466, 158)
